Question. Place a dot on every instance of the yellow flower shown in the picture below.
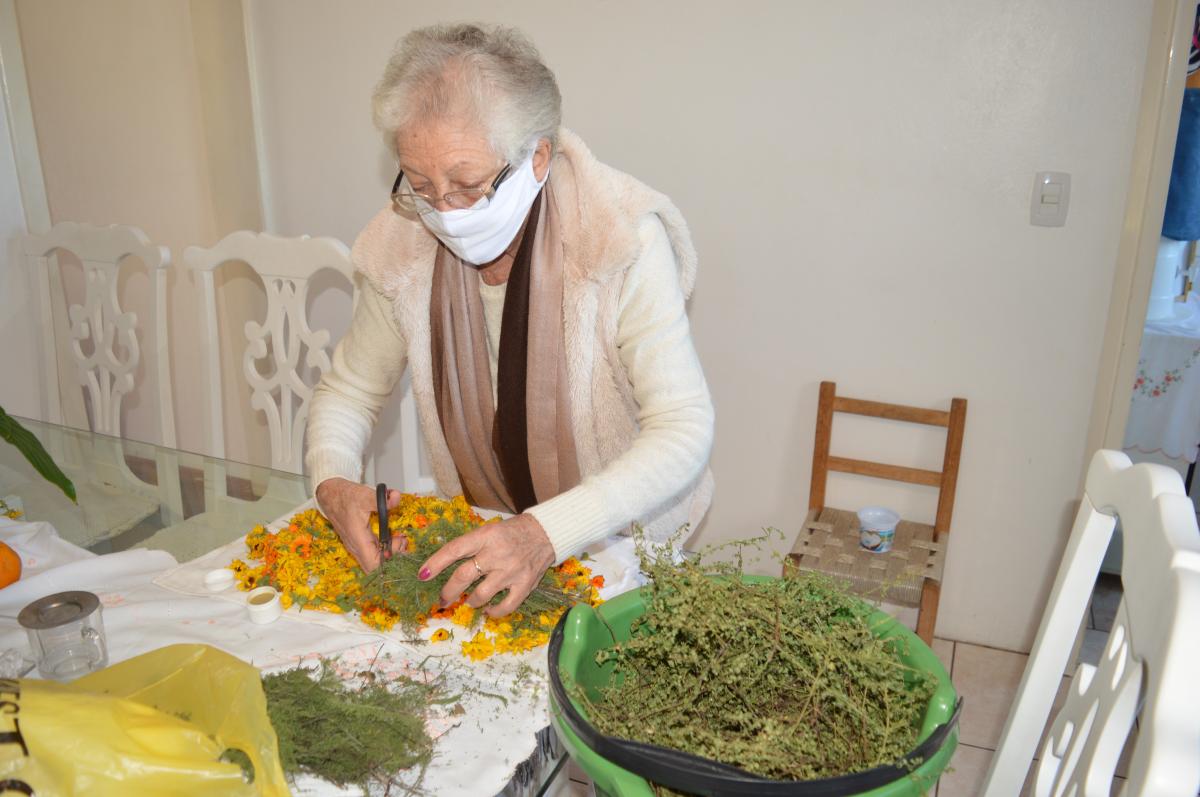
(464, 615)
(479, 647)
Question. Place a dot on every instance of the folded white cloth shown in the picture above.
(40, 548)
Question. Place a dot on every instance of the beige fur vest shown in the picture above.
(599, 211)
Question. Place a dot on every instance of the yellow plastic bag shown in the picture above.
(156, 724)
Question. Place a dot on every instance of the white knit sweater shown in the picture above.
(640, 408)
(675, 411)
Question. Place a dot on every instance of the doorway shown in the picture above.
(1154, 148)
(1143, 335)
(1163, 422)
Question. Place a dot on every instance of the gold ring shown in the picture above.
(478, 569)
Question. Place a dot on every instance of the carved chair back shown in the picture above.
(284, 357)
(104, 340)
(1147, 671)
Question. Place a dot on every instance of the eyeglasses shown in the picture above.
(466, 198)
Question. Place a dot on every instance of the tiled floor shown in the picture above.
(987, 679)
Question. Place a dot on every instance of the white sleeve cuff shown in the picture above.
(573, 520)
(329, 463)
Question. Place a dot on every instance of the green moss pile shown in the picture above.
(783, 679)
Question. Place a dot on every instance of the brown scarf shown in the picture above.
(522, 451)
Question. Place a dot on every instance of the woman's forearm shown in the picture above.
(367, 363)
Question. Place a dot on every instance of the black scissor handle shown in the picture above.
(385, 533)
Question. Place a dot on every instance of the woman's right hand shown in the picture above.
(349, 507)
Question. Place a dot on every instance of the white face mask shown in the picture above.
(480, 235)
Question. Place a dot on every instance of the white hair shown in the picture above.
(490, 76)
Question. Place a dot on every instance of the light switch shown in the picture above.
(1051, 196)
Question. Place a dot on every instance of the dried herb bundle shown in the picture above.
(346, 735)
(781, 678)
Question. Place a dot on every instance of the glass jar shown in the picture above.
(66, 633)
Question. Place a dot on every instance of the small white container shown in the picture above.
(263, 605)
(1167, 283)
(219, 579)
(877, 528)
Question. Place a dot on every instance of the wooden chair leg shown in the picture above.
(931, 591)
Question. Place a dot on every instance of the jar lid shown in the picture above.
(58, 609)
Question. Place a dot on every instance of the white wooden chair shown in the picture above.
(105, 345)
(1149, 664)
(292, 350)
(284, 338)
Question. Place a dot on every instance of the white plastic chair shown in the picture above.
(1148, 665)
(112, 497)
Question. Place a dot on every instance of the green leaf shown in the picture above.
(33, 451)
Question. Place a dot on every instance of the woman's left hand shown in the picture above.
(512, 554)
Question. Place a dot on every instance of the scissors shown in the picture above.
(385, 533)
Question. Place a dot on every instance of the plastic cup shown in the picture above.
(877, 528)
(263, 605)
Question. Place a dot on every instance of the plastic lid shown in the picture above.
(877, 518)
(61, 608)
(219, 579)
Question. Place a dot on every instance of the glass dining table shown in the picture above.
(132, 494)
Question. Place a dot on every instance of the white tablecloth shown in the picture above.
(475, 753)
(1164, 416)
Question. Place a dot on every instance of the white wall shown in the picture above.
(857, 176)
(20, 393)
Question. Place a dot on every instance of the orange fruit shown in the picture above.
(10, 565)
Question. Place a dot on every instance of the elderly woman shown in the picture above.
(537, 298)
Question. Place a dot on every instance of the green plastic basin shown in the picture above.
(585, 630)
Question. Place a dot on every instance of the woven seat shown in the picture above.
(910, 574)
(828, 542)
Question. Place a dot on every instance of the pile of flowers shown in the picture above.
(307, 563)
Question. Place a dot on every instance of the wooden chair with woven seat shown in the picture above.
(910, 574)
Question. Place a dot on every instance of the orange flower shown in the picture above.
(440, 635)
(304, 541)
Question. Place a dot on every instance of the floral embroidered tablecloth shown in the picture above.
(1164, 416)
